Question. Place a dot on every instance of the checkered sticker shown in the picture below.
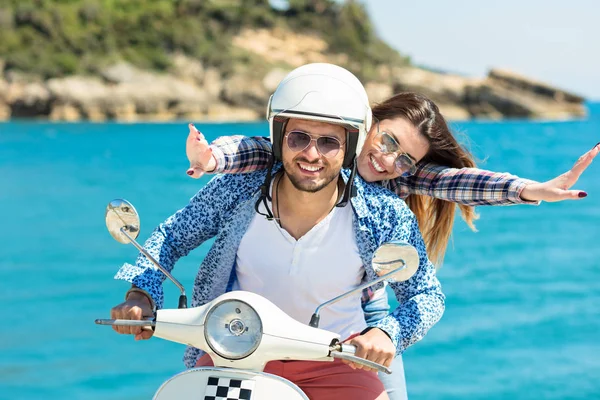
(228, 389)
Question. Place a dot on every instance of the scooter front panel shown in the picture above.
(209, 383)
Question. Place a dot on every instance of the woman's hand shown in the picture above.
(198, 153)
(558, 189)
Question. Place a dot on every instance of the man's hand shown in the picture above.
(136, 307)
(198, 153)
(374, 346)
(557, 189)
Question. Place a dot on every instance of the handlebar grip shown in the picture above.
(349, 357)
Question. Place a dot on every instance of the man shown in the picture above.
(293, 240)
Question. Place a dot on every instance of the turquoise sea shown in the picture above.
(523, 293)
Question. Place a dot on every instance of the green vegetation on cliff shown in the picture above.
(62, 37)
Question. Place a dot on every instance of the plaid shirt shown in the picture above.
(468, 186)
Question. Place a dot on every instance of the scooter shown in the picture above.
(242, 331)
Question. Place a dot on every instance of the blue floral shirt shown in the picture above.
(223, 210)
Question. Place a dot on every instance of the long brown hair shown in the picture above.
(435, 216)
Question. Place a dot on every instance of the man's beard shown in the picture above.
(309, 187)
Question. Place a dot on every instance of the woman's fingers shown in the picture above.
(581, 165)
(198, 153)
(195, 172)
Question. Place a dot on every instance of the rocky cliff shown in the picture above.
(188, 89)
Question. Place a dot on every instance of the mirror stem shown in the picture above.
(314, 320)
(182, 297)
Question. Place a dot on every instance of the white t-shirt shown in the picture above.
(299, 275)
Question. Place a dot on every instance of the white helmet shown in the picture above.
(325, 93)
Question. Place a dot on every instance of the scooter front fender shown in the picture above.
(207, 383)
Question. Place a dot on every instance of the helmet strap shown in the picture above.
(278, 132)
(351, 142)
(350, 190)
(265, 196)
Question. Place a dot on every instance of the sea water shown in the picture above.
(522, 316)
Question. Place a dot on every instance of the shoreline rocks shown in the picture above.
(189, 91)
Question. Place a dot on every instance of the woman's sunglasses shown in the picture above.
(387, 144)
(327, 146)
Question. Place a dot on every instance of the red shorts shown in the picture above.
(324, 380)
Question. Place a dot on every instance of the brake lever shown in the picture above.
(362, 361)
(145, 324)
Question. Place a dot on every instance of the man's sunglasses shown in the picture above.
(327, 146)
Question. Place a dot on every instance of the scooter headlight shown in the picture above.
(233, 329)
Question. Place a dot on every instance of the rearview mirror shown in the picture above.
(121, 216)
(393, 261)
(123, 223)
(396, 256)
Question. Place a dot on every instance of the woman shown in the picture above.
(422, 162)
(410, 150)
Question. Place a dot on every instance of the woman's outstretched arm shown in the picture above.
(227, 154)
(475, 187)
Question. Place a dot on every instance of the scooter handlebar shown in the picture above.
(347, 352)
(348, 348)
(146, 324)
